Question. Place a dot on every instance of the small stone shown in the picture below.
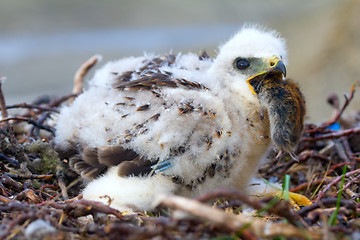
(38, 230)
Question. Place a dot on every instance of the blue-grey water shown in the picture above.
(20, 47)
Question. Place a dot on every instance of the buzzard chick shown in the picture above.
(181, 123)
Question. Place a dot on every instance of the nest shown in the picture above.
(40, 196)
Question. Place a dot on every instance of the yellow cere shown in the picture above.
(273, 61)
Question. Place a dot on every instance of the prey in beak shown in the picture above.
(284, 103)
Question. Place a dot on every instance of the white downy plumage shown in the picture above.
(214, 128)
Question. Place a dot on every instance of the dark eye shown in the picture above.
(242, 64)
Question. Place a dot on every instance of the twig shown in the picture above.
(233, 222)
(135, 232)
(333, 100)
(230, 194)
(355, 158)
(333, 167)
(48, 196)
(3, 190)
(18, 220)
(341, 111)
(30, 176)
(57, 102)
(307, 184)
(331, 135)
(316, 213)
(331, 201)
(29, 120)
(28, 194)
(93, 205)
(31, 106)
(4, 113)
(279, 209)
(81, 72)
(8, 181)
(40, 121)
(11, 161)
(351, 181)
(322, 193)
(5, 199)
(305, 155)
(62, 185)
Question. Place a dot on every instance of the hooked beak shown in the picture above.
(276, 66)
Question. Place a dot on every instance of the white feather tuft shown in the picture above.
(131, 193)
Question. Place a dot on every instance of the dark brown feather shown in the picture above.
(143, 107)
(72, 161)
(94, 161)
(136, 167)
(155, 117)
(89, 155)
(155, 82)
(92, 172)
(84, 169)
(125, 76)
(150, 77)
(112, 155)
(203, 55)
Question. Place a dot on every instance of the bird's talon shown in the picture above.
(293, 156)
(278, 155)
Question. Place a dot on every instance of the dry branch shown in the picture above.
(339, 112)
(331, 201)
(4, 113)
(280, 208)
(29, 120)
(332, 135)
(81, 72)
(308, 184)
(322, 193)
(32, 106)
(30, 176)
(236, 223)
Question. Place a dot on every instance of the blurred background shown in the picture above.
(42, 43)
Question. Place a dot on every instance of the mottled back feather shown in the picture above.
(94, 161)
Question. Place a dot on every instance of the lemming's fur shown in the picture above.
(286, 108)
(170, 124)
(285, 104)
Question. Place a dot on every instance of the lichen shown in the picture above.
(48, 161)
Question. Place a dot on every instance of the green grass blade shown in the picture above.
(332, 219)
(286, 187)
